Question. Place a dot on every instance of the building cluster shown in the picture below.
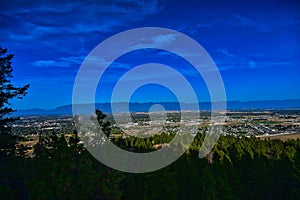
(238, 123)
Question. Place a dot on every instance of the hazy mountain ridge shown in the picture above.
(170, 106)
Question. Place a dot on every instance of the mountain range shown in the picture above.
(169, 106)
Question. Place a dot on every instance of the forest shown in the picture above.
(237, 168)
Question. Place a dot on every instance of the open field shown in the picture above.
(283, 137)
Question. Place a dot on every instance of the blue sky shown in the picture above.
(255, 45)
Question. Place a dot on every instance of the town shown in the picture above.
(237, 123)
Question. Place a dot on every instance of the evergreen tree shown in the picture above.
(104, 124)
(7, 90)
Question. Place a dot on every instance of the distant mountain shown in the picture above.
(28, 112)
(170, 106)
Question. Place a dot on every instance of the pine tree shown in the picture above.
(7, 90)
(104, 124)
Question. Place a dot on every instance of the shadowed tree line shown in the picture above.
(241, 168)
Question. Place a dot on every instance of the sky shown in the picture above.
(254, 44)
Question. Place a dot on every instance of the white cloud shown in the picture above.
(165, 39)
(155, 41)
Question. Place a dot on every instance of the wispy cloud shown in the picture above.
(251, 64)
(250, 23)
(61, 62)
(49, 22)
(156, 41)
(164, 39)
(225, 52)
(246, 63)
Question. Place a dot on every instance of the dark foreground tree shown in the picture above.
(103, 122)
(7, 90)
